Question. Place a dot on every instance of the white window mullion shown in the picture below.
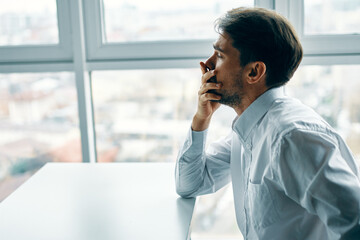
(93, 27)
(64, 24)
(296, 16)
(82, 83)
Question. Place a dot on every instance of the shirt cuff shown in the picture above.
(199, 138)
(198, 135)
(194, 140)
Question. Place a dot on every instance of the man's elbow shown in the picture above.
(184, 194)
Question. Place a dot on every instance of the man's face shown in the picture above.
(226, 61)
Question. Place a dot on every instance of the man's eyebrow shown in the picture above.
(216, 47)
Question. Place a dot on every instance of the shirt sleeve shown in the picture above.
(321, 175)
(198, 172)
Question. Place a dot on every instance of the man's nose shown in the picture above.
(210, 63)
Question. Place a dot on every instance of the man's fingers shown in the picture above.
(206, 76)
(205, 87)
(203, 67)
(209, 96)
(205, 93)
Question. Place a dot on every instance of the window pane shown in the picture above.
(24, 22)
(144, 115)
(333, 91)
(38, 124)
(143, 20)
(331, 17)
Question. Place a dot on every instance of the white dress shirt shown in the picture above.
(293, 176)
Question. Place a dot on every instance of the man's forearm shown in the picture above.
(190, 164)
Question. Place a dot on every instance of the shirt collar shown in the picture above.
(244, 123)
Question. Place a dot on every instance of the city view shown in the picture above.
(38, 124)
(25, 22)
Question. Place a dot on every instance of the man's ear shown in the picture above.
(255, 72)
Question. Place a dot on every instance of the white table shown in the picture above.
(84, 201)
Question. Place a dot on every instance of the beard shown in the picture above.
(233, 97)
(230, 100)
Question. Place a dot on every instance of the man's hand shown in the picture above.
(206, 107)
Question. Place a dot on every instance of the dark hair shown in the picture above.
(263, 35)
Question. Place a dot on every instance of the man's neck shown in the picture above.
(248, 99)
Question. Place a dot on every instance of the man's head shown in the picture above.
(265, 36)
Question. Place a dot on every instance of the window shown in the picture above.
(329, 28)
(137, 30)
(34, 31)
(28, 22)
(38, 124)
(344, 17)
(138, 20)
(144, 115)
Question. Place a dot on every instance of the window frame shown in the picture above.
(151, 50)
(347, 45)
(44, 52)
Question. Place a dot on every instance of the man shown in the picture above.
(293, 176)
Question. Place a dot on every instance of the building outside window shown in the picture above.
(38, 124)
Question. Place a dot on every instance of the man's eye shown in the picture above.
(218, 55)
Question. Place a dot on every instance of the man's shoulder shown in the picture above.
(289, 114)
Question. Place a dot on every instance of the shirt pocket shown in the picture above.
(263, 211)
